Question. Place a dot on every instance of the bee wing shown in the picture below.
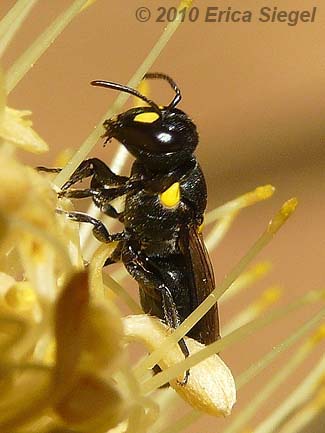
(192, 245)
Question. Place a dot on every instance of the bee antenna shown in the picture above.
(160, 75)
(126, 89)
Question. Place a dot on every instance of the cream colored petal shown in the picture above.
(14, 184)
(92, 405)
(70, 318)
(104, 335)
(17, 130)
(26, 401)
(210, 387)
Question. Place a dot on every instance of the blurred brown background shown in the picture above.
(256, 92)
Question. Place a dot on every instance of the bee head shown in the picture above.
(160, 137)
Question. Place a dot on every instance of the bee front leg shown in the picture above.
(100, 172)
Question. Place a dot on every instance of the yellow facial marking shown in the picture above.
(147, 117)
(171, 197)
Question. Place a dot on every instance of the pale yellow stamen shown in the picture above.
(221, 344)
(226, 214)
(258, 194)
(298, 397)
(204, 307)
(39, 46)
(302, 393)
(278, 378)
(255, 309)
(287, 209)
(90, 141)
(306, 414)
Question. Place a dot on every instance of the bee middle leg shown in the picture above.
(100, 231)
(101, 198)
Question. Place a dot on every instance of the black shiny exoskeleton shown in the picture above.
(165, 197)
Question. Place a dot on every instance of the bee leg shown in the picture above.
(173, 321)
(101, 173)
(104, 197)
(48, 169)
(100, 231)
(78, 193)
(143, 270)
(100, 198)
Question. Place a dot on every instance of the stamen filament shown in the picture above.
(264, 394)
(104, 283)
(306, 415)
(12, 21)
(253, 310)
(259, 366)
(219, 231)
(27, 60)
(90, 141)
(96, 269)
(258, 194)
(246, 279)
(120, 291)
(256, 368)
(300, 395)
(173, 371)
(205, 306)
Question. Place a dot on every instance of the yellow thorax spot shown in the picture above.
(171, 196)
(146, 117)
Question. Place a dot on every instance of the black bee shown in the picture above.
(165, 198)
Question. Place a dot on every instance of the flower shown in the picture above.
(15, 130)
(64, 364)
(54, 368)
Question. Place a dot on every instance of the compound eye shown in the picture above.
(146, 117)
